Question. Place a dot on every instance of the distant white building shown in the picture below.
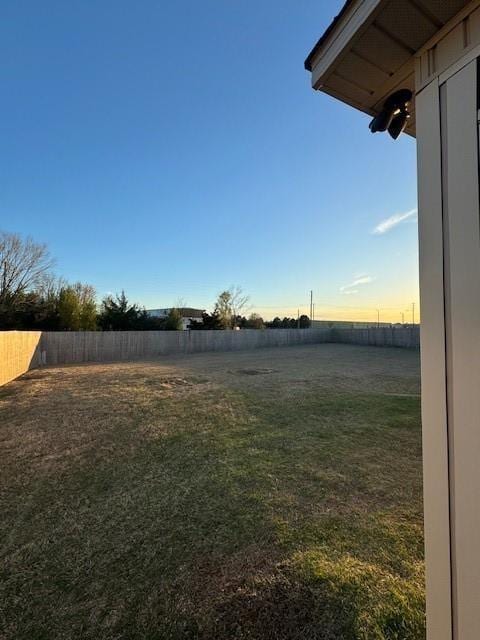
(188, 314)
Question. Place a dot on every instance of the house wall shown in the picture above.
(449, 212)
(456, 43)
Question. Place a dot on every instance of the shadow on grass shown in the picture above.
(215, 514)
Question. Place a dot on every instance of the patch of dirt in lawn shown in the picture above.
(252, 372)
(170, 383)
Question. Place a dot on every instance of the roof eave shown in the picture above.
(354, 17)
(321, 41)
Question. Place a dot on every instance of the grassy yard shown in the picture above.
(273, 494)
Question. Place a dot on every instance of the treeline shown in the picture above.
(53, 305)
(216, 320)
(65, 307)
(229, 314)
(303, 322)
(32, 298)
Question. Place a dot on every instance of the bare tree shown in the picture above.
(85, 292)
(23, 266)
(181, 303)
(239, 302)
(50, 286)
(231, 304)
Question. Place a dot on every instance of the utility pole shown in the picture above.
(378, 318)
(313, 313)
(403, 317)
(413, 313)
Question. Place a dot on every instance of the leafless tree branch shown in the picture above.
(24, 265)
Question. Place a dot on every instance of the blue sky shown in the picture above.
(174, 149)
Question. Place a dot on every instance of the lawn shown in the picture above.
(273, 494)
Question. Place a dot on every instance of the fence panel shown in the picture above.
(19, 352)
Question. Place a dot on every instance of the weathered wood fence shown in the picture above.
(405, 337)
(19, 352)
(97, 346)
(24, 350)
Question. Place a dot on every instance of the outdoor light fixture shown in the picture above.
(394, 115)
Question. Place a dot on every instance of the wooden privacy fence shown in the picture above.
(97, 346)
(24, 350)
(19, 352)
(405, 337)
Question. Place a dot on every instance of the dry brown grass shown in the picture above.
(269, 494)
